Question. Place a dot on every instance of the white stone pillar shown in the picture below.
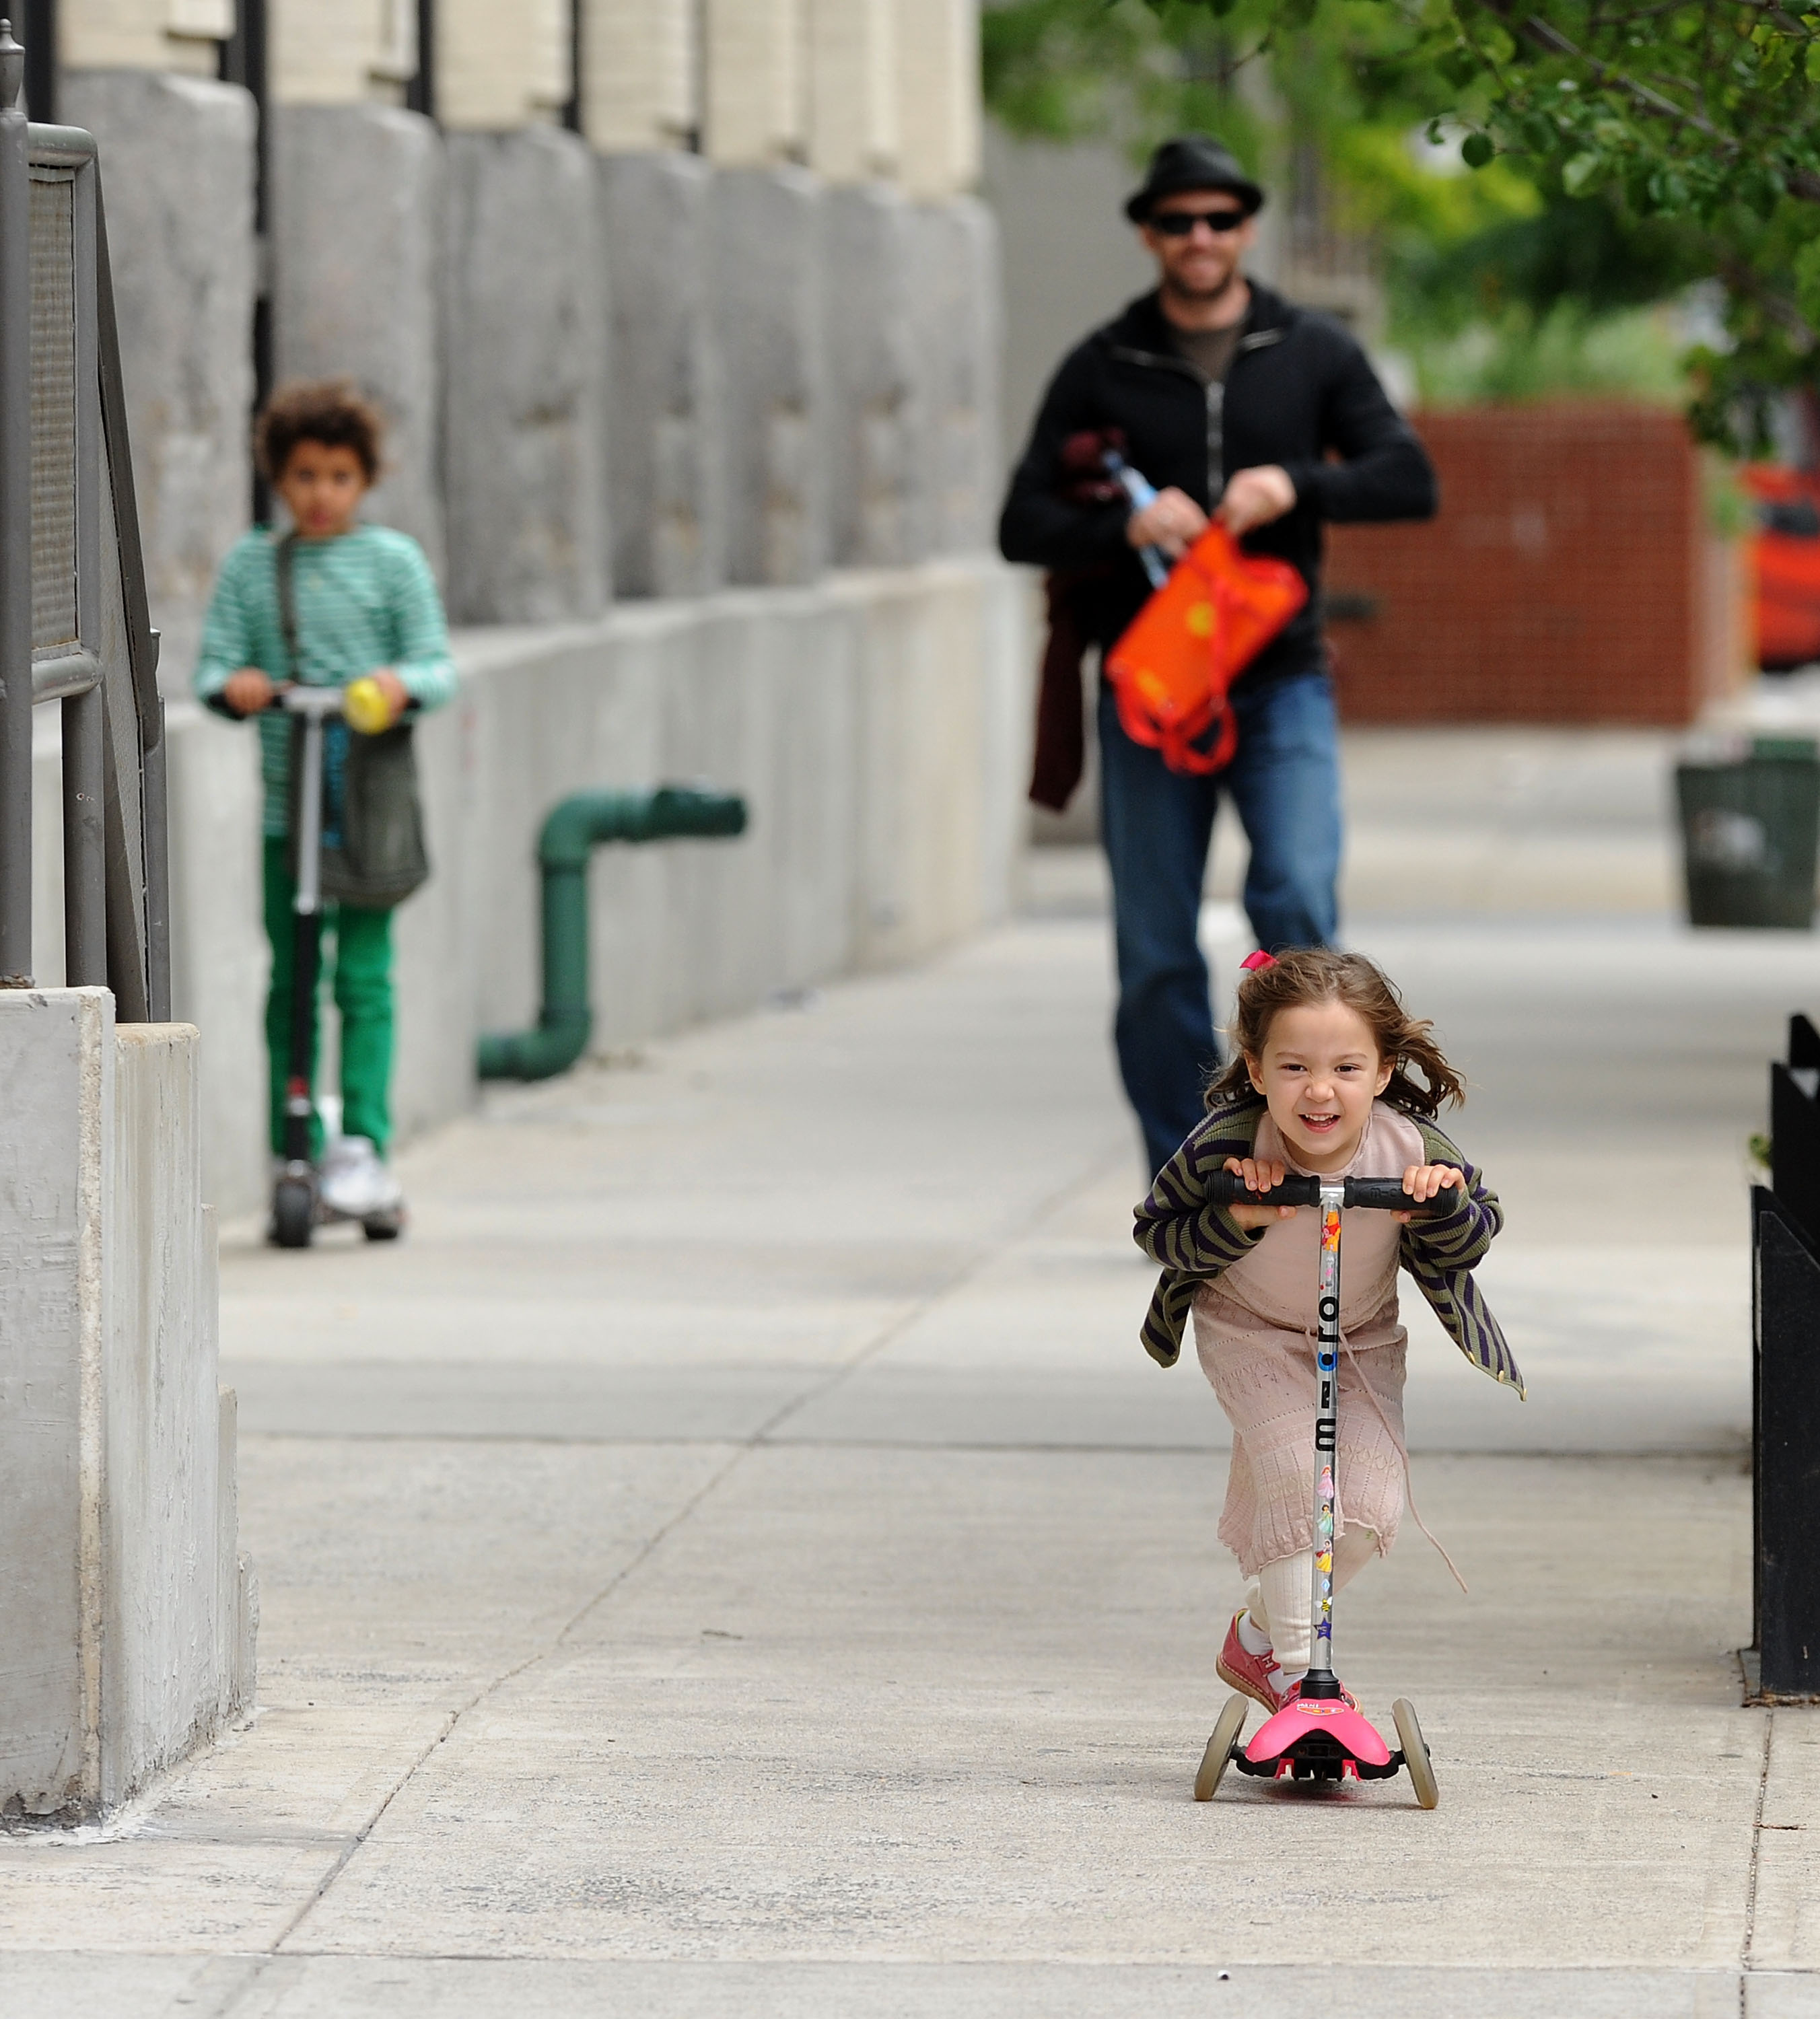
(852, 113)
(638, 61)
(501, 67)
(340, 52)
(752, 112)
(938, 98)
(167, 35)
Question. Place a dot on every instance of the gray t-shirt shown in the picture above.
(1210, 351)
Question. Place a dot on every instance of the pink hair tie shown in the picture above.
(1257, 963)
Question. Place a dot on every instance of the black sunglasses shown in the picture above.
(1180, 223)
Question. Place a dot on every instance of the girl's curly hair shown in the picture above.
(1313, 975)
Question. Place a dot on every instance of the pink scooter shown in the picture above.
(1320, 1733)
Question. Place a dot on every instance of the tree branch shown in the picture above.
(1802, 183)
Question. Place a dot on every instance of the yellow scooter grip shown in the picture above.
(365, 706)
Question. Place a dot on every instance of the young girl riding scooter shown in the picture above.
(1324, 1083)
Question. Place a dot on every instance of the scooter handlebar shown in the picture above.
(322, 703)
(1228, 1188)
(1377, 1195)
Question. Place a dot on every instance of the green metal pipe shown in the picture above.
(572, 830)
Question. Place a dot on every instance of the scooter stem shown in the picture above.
(309, 898)
(1320, 1680)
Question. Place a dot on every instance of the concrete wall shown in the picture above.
(357, 232)
(127, 1612)
(878, 723)
(177, 175)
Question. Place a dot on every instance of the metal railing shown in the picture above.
(74, 626)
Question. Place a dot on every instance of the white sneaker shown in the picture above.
(353, 1182)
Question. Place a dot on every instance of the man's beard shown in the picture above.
(1201, 297)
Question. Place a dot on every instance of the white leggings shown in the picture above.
(1282, 1597)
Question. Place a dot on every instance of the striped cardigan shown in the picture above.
(1194, 1241)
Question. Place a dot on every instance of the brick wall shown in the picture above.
(1570, 577)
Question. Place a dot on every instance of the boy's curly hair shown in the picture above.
(1312, 975)
(332, 412)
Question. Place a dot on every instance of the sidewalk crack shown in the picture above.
(1757, 1829)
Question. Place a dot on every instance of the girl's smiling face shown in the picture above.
(1320, 1072)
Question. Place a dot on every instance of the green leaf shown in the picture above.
(1577, 176)
(1476, 150)
(1813, 63)
(1459, 66)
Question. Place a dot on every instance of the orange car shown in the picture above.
(1785, 563)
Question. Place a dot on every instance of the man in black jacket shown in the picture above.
(1229, 399)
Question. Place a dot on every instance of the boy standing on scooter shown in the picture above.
(362, 604)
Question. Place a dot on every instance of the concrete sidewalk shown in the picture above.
(734, 1558)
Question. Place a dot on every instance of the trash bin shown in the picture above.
(1750, 829)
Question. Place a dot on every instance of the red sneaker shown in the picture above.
(1246, 1672)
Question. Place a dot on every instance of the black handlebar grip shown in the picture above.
(1228, 1188)
(1387, 1195)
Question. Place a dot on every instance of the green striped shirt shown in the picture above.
(365, 602)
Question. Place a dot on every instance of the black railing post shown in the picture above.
(245, 61)
(1786, 1489)
(420, 92)
(38, 21)
(16, 694)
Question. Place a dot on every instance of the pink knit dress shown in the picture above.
(1254, 1330)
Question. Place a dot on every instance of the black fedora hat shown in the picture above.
(1192, 162)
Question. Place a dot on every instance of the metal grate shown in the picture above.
(53, 408)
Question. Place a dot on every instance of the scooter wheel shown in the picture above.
(1218, 1756)
(1415, 1754)
(384, 1226)
(293, 1213)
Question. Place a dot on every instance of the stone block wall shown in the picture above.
(525, 380)
(765, 301)
(878, 397)
(356, 233)
(668, 491)
(177, 180)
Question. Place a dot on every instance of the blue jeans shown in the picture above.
(1285, 782)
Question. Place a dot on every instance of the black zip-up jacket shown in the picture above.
(1299, 389)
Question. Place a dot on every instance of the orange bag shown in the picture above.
(1171, 670)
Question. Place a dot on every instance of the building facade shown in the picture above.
(630, 279)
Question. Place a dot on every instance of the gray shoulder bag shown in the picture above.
(382, 858)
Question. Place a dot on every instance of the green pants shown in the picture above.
(362, 965)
